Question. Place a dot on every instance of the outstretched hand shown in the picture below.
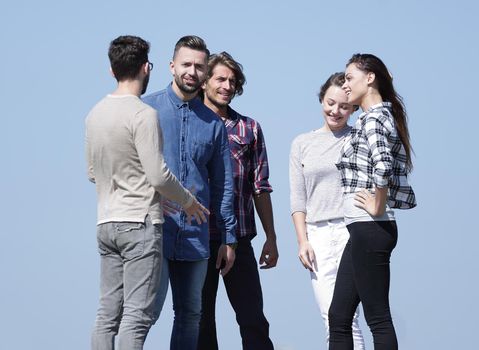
(169, 208)
(198, 212)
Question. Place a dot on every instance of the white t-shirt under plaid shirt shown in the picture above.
(374, 156)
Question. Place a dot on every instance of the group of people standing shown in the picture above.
(179, 175)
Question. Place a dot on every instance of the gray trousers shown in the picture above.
(131, 259)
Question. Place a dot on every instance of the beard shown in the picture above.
(145, 83)
(216, 101)
(188, 89)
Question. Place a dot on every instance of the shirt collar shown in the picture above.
(178, 102)
(387, 105)
(233, 117)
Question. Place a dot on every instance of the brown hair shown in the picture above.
(227, 60)
(384, 81)
(336, 79)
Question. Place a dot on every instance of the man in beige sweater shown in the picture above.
(125, 161)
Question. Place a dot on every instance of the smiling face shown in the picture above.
(220, 88)
(189, 71)
(336, 109)
(357, 84)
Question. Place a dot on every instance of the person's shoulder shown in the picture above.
(207, 114)
(247, 121)
(154, 97)
(99, 104)
(303, 137)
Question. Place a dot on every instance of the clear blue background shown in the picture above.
(54, 68)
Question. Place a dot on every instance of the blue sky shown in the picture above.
(54, 68)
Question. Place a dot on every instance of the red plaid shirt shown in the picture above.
(250, 171)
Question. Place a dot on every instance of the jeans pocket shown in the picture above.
(130, 237)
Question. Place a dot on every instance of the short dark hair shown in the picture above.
(192, 42)
(127, 54)
(336, 79)
(227, 60)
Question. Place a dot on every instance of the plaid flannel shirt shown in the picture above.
(250, 171)
(374, 156)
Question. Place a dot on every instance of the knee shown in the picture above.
(108, 317)
(252, 321)
(339, 321)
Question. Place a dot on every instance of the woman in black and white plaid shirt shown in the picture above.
(374, 164)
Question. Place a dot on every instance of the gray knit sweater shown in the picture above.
(314, 180)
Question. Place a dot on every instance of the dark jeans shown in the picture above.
(244, 292)
(363, 276)
(186, 280)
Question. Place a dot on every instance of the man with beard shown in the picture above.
(125, 161)
(225, 79)
(197, 152)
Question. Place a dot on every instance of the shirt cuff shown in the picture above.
(229, 238)
(381, 181)
(189, 202)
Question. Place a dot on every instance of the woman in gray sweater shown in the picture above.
(316, 197)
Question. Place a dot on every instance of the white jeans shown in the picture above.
(328, 239)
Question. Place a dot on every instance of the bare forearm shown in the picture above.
(264, 208)
(299, 221)
(381, 195)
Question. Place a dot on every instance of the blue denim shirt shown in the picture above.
(196, 150)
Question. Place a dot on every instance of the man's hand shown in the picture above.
(226, 257)
(306, 255)
(269, 255)
(169, 207)
(198, 212)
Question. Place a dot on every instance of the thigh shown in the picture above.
(142, 253)
(242, 282)
(187, 279)
(373, 242)
(326, 263)
(210, 287)
(111, 274)
(345, 296)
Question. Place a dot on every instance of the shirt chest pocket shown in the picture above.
(239, 146)
(201, 151)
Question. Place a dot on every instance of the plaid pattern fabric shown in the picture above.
(373, 155)
(250, 171)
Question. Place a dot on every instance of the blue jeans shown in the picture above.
(131, 259)
(186, 280)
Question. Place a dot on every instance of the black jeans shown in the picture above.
(363, 276)
(244, 292)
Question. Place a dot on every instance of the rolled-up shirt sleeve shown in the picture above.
(296, 179)
(377, 129)
(260, 168)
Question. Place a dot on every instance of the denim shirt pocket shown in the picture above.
(201, 151)
(239, 145)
